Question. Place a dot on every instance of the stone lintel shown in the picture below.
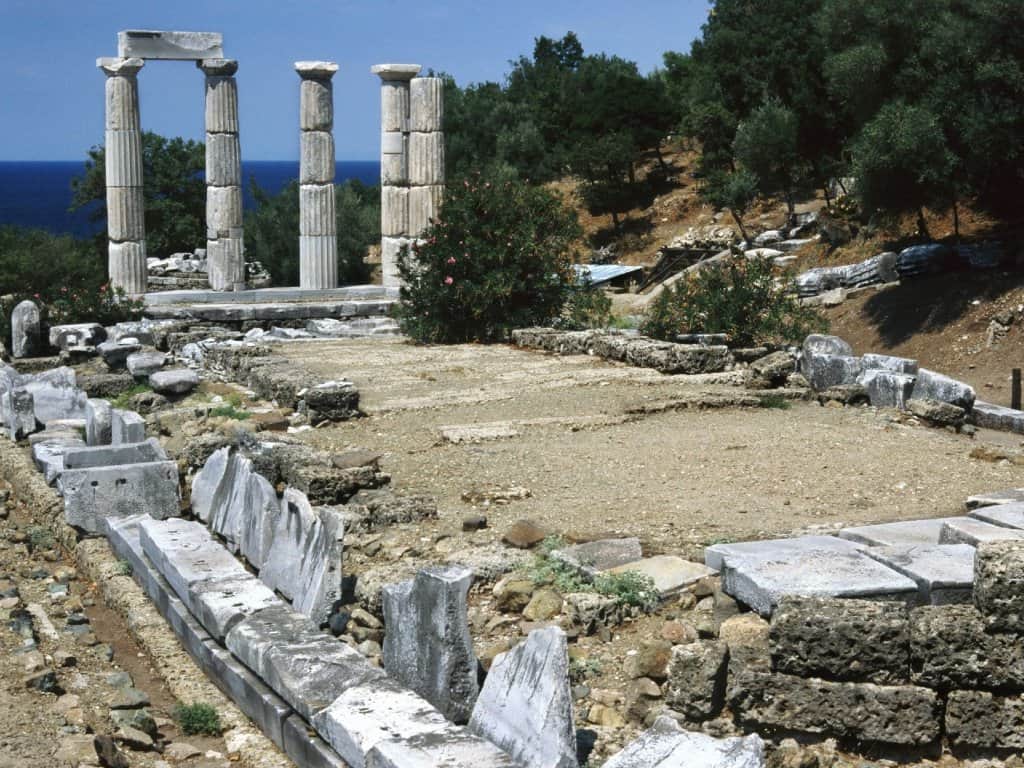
(218, 67)
(396, 71)
(316, 70)
(165, 44)
(115, 65)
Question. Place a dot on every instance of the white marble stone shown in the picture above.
(126, 211)
(167, 44)
(426, 104)
(426, 158)
(394, 211)
(223, 210)
(223, 160)
(127, 266)
(26, 330)
(123, 158)
(666, 745)
(424, 207)
(317, 214)
(316, 157)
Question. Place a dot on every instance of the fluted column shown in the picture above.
(394, 163)
(426, 152)
(318, 232)
(126, 223)
(225, 247)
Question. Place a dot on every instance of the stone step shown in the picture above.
(944, 573)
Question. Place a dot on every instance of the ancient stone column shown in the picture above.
(126, 225)
(394, 163)
(426, 152)
(225, 249)
(318, 233)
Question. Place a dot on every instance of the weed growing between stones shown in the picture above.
(581, 669)
(123, 400)
(124, 568)
(775, 401)
(197, 719)
(230, 411)
(629, 588)
(40, 538)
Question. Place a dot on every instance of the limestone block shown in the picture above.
(127, 266)
(366, 715)
(887, 389)
(890, 363)
(1000, 417)
(967, 530)
(317, 214)
(126, 427)
(818, 344)
(116, 353)
(426, 104)
(697, 678)
(119, 491)
(823, 371)
(223, 211)
(905, 533)
(934, 386)
(223, 160)
(951, 648)
(122, 105)
(49, 455)
(1009, 515)
(944, 573)
(1005, 496)
(226, 261)
(316, 105)
(252, 640)
(394, 106)
(670, 573)
(525, 705)
(111, 455)
(164, 44)
(221, 603)
(903, 715)
(318, 261)
(125, 213)
(18, 412)
(394, 211)
(305, 559)
(76, 335)
(185, 553)
(669, 357)
(451, 747)
(426, 158)
(26, 332)
(985, 720)
(998, 580)
(424, 207)
(52, 400)
(142, 364)
(123, 156)
(316, 157)
(427, 646)
(853, 640)
(666, 745)
(177, 381)
(221, 104)
(305, 748)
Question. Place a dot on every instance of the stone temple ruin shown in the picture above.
(412, 166)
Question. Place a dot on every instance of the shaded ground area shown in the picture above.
(596, 462)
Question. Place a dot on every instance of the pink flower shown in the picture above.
(451, 260)
(449, 280)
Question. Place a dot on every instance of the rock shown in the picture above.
(428, 646)
(606, 717)
(775, 368)
(75, 750)
(651, 660)
(65, 337)
(142, 364)
(524, 534)
(180, 751)
(590, 612)
(474, 523)
(26, 339)
(44, 681)
(985, 720)
(887, 389)
(826, 371)
(671, 574)
(545, 604)
(128, 698)
(134, 738)
(110, 756)
(678, 632)
(174, 382)
(525, 705)
(934, 386)
(697, 678)
(818, 344)
(115, 353)
(642, 696)
(495, 494)
(139, 719)
(937, 412)
(594, 557)
(666, 745)
(998, 575)
(512, 594)
(746, 636)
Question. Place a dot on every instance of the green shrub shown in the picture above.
(123, 568)
(197, 718)
(775, 401)
(498, 258)
(581, 669)
(587, 307)
(741, 297)
(124, 400)
(629, 588)
(229, 411)
(40, 537)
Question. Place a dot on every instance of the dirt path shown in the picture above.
(677, 478)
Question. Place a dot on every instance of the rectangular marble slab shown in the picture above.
(1005, 515)
(944, 573)
(714, 556)
(165, 44)
(974, 532)
(906, 532)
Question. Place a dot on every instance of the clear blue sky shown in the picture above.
(51, 93)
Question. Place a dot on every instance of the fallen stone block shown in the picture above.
(525, 705)
(594, 557)
(185, 553)
(1006, 515)
(115, 352)
(49, 455)
(826, 371)
(55, 396)
(126, 427)
(934, 386)
(906, 532)
(363, 716)
(760, 583)
(845, 640)
(374, 509)
(451, 747)
(1008, 496)
(818, 344)
(670, 573)
(901, 715)
(330, 401)
(974, 532)
(998, 417)
(670, 358)
(97, 421)
(262, 509)
(985, 720)
(17, 411)
(76, 335)
(937, 413)
(666, 745)
(111, 455)
(776, 549)
(178, 381)
(142, 364)
(427, 645)
(944, 573)
(26, 338)
(887, 389)
(889, 363)
(106, 385)
(952, 648)
(999, 584)
(696, 679)
(118, 491)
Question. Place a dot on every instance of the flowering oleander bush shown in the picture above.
(499, 257)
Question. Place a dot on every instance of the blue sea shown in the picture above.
(37, 194)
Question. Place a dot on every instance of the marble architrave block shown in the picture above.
(394, 211)
(168, 44)
(424, 207)
(125, 214)
(223, 160)
(316, 157)
(426, 104)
